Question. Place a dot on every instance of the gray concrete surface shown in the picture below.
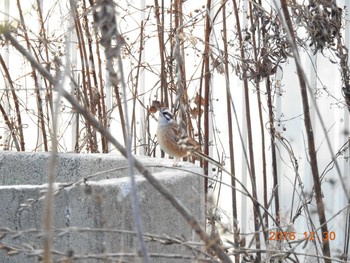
(93, 219)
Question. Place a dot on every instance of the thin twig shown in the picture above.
(19, 127)
(230, 136)
(309, 132)
(257, 214)
(11, 127)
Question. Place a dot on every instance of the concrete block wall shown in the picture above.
(93, 219)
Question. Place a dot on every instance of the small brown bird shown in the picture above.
(175, 142)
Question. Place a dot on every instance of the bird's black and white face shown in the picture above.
(165, 116)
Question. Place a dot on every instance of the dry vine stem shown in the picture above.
(112, 41)
(191, 220)
(309, 133)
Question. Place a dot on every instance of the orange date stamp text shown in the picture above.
(290, 236)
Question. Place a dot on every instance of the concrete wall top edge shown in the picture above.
(24, 168)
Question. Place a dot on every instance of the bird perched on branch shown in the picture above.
(175, 141)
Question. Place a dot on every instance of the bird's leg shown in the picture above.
(176, 161)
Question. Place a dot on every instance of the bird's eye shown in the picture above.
(167, 115)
